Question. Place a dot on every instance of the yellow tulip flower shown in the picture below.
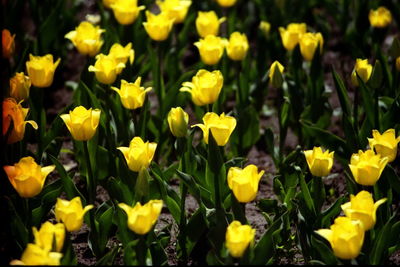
(178, 121)
(126, 11)
(106, 68)
(385, 144)
(346, 237)
(71, 213)
(7, 43)
(276, 66)
(207, 23)
(362, 207)
(27, 177)
(265, 27)
(158, 26)
(108, 3)
(86, 38)
(367, 167)
(20, 85)
(205, 87)
(139, 154)
(49, 233)
(238, 237)
(244, 182)
(221, 127)
(35, 255)
(176, 9)
(380, 18)
(15, 113)
(320, 163)
(211, 49)
(364, 70)
(132, 94)
(291, 35)
(142, 218)
(309, 43)
(41, 70)
(226, 3)
(237, 46)
(398, 63)
(82, 123)
(122, 54)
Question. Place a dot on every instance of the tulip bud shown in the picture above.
(346, 237)
(126, 11)
(86, 38)
(13, 111)
(48, 234)
(211, 49)
(276, 74)
(106, 68)
(367, 167)
(320, 163)
(207, 23)
(178, 122)
(71, 213)
(139, 154)
(175, 9)
(205, 87)
(362, 207)
(237, 46)
(238, 237)
(226, 3)
(8, 44)
(385, 144)
(82, 123)
(221, 127)
(27, 177)
(244, 182)
(20, 85)
(398, 64)
(41, 70)
(158, 26)
(35, 255)
(309, 43)
(363, 69)
(142, 218)
(380, 18)
(265, 27)
(291, 35)
(132, 94)
(122, 54)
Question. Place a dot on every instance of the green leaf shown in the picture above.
(48, 198)
(109, 258)
(342, 93)
(392, 177)
(377, 76)
(379, 250)
(306, 195)
(368, 102)
(332, 211)
(104, 226)
(394, 50)
(325, 252)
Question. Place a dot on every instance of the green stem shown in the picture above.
(135, 123)
(158, 75)
(182, 149)
(141, 250)
(355, 111)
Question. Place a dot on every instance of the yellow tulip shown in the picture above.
(86, 38)
(27, 177)
(207, 23)
(238, 237)
(364, 70)
(320, 163)
(205, 87)
(35, 255)
(237, 46)
(7, 43)
(176, 9)
(132, 94)
(291, 35)
(71, 213)
(139, 154)
(380, 18)
(362, 207)
(309, 43)
(226, 3)
(41, 70)
(106, 68)
(178, 121)
(108, 3)
(126, 11)
(265, 27)
(244, 182)
(122, 54)
(142, 218)
(385, 144)
(398, 63)
(346, 237)
(276, 67)
(82, 123)
(158, 26)
(221, 127)
(211, 49)
(367, 167)
(15, 113)
(49, 233)
(20, 84)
